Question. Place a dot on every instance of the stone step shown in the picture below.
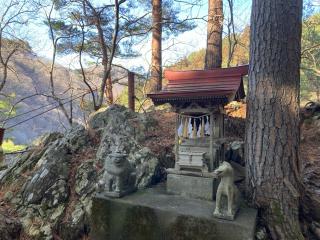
(152, 214)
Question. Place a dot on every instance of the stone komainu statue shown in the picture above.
(119, 176)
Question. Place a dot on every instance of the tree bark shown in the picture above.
(213, 57)
(272, 128)
(109, 92)
(131, 95)
(156, 61)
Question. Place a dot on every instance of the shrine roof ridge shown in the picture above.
(210, 73)
(201, 84)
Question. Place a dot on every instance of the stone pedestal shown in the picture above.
(118, 194)
(152, 214)
(192, 186)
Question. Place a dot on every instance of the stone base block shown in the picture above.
(224, 216)
(120, 193)
(152, 214)
(192, 186)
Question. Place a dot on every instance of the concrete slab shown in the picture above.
(192, 186)
(152, 214)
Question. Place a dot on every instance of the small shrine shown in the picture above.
(198, 97)
(200, 192)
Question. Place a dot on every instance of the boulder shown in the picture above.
(235, 152)
(113, 116)
(47, 138)
(27, 160)
(59, 175)
(147, 168)
(86, 178)
(124, 131)
(77, 224)
(52, 166)
(10, 228)
(58, 193)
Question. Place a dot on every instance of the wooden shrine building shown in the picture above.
(198, 97)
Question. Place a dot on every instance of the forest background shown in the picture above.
(46, 70)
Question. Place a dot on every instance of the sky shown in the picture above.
(174, 48)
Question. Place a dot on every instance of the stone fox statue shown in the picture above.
(227, 188)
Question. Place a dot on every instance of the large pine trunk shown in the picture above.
(156, 58)
(272, 130)
(213, 57)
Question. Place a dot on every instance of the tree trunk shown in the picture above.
(109, 92)
(156, 61)
(131, 96)
(106, 59)
(214, 34)
(272, 130)
(105, 63)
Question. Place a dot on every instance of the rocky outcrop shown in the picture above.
(52, 185)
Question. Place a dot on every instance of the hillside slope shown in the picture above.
(31, 81)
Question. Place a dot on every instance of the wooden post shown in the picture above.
(2, 160)
(211, 150)
(176, 166)
(219, 129)
(131, 96)
(221, 135)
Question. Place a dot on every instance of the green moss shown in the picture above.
(8, 146)
(277, 212)
(278, 217)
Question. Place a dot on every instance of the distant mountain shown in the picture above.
(31, 81)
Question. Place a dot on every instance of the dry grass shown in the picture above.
(162, 137)
(237, 110)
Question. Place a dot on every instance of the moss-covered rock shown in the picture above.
(53, 184)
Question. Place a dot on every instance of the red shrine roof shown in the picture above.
(220, 85)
